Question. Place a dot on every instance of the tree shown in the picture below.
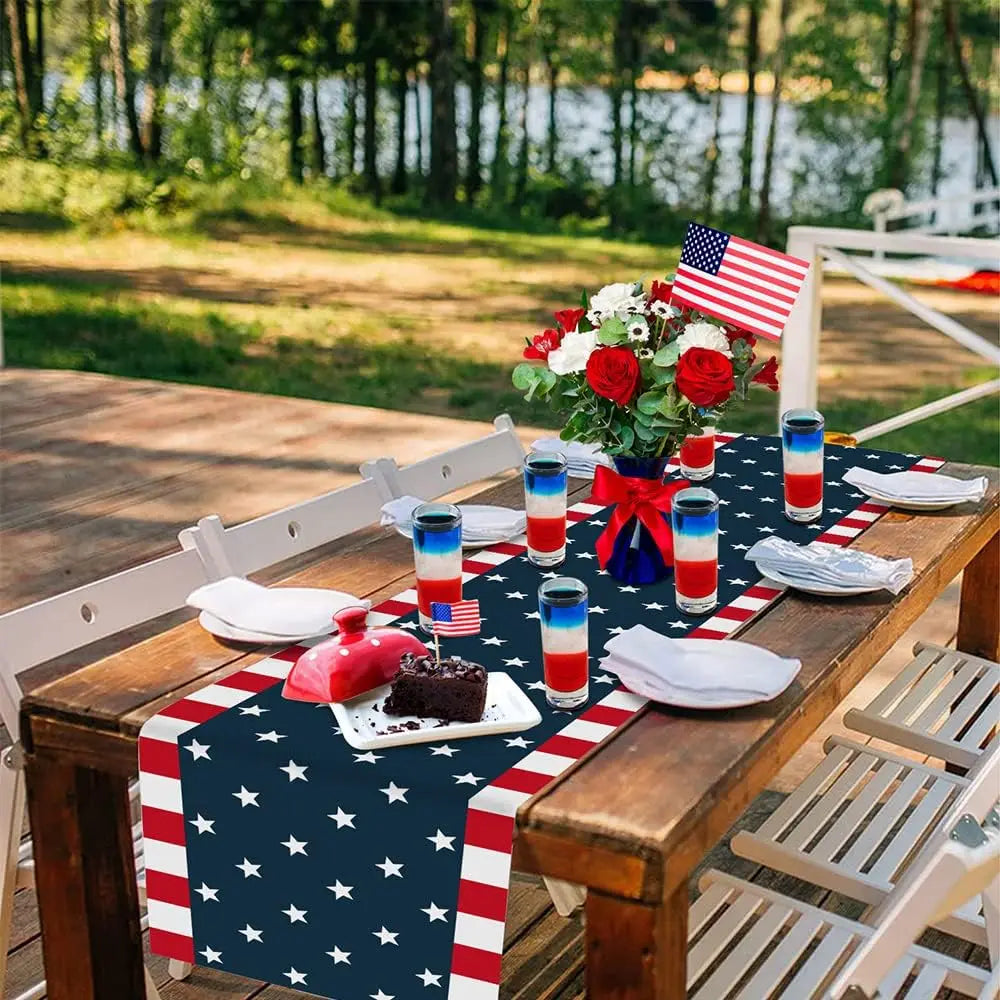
(498, 170)
(476, 75)
(296, 163)
(26, 90)
(124, 76)
(764, 210)
(443, 179)
(96, 71)
(318, 139)
(920, 11)
(369, 27)
(752, 59)
(156, 79)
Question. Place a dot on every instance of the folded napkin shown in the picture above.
(918, 486)
(277, 611)
(819, 562)
(480, 522)
(696, 673)
(581, 459)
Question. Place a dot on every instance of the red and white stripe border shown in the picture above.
(488, 845)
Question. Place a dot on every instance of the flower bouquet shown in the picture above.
(636, 375)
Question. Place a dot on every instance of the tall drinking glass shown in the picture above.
(562, 605)
(802, 452)
(698, 455)
(545, 507)
(437, 554)
(695, 521)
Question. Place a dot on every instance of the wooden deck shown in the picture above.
(101, 473)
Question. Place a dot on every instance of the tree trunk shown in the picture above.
(473, 167)
(617, 109)
(917, 45)
(318, 139)
(753, 57)
(443, 179)
(399, 174)
(124, 78)
(969, 88)
(351, 125)
(523, 150)
(207, 60)
(498, 171)
(633, 123)
(712, 153)
(940, 109)
(367, 37)
(152, 109)
(24, 69)
(552, 135)
(39, 74)
(418, 121)
(96, 73)
(889, 63)
(295, 159)
(764, 212)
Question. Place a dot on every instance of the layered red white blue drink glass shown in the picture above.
(697, 455)
(802, 453)
(545, 507)
(437, 555)
(695, 522)
(562, 607)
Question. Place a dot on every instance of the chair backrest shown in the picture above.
(42, 631)
(264, 541)
(943, 876)
(453, 469)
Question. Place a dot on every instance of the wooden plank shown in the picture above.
(979, 616)
(698, 771)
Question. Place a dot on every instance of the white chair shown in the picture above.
(944, 704)
(42, 631)
(856, 822)
(750, 943)
(453, 469)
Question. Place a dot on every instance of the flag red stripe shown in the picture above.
(475, 963)
(778, 299)
(607, 715)
(739, 241)
(192, 711)
(734, 305)
(168, 889)
(490, 830)
(780, 282)
(770, 267)
(679, 297)
(159, 757)
(522, 781)
(172, 945)
(245, 681)
(291, 654)
(481, 900)
(772, 303)
(159, 824)
(566, 746)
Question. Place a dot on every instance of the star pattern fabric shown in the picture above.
(335, 871)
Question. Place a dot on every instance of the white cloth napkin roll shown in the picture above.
(917, 486)
(581, 459)
(819, 562)
(480, 522)
(696, 673)
(277, 611)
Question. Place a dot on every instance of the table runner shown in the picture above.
(276, 851)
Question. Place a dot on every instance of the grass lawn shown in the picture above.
(315, 299)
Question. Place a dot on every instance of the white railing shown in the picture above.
(945, 215)
(800, 342)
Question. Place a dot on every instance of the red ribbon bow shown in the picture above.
(645, 499)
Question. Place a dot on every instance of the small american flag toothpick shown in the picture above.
(461, 618)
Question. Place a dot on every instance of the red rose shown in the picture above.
(768, 375)
(613, 372)
(569, 319)
(704, 376)
(538, 349)
(660, 292)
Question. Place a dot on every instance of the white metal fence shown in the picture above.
(800, 342)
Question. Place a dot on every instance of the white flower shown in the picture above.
(705, 335)
(664, 309)
(637, 328)
(572, 354)
(618, 300)
(644, 353)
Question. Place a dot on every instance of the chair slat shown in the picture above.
(982, 691)
(819, 965)
(780, 962)
(927, 984)
(911, 704)
(912, 672)
(728, 926)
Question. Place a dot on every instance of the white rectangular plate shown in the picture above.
(508, 710)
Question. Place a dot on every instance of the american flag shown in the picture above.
(737, 281)
(461, 618)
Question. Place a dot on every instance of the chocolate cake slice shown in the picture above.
(454, 690)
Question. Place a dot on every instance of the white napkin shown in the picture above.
(819, 562)
(581, 459)
(480, 522)
(918, 486)
(277, 611)
(696, 673)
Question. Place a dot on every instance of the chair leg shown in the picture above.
(178, 969)
(12, 790)
(567, 897)
(991, 914)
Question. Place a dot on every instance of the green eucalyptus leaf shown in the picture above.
(644, 433)
(649, 402)
(667, 355)
(612, 331)
(525, 375)
(664, 376)
(628, 437)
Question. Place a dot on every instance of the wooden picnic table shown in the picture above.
(630, 821)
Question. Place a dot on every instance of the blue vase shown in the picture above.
(635, 558)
